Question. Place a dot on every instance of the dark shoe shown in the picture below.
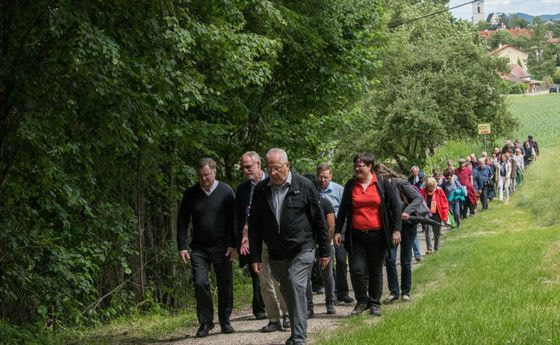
(319, 291)
(310, 313)
(286, 322)
(391, 299)
(418, 258)
(290, 341)
(358, 309)
(204, 329)
(272, 327)
(260, 316)
(330, 309)
(375, 310)
(227, 329)
(345, 299)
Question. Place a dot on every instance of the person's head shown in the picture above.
(530, 137)
(324, 175)
(277, 165)
(509, 142)
(484, 154)
(206, 172)
(431, 184)
(436, 173)
(382, 169)
(496, 150)
(414, 170)
(448, 174)
(482, 162)
(462, 163)
(518, 152)
(504, 157)
(250, 165)
(472, 157)
(449, 163)
(363, 164)
(527, 144)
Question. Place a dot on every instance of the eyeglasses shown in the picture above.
(359, 166)
(271, 168)
(247, 167)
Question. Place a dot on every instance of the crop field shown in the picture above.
(538, 116)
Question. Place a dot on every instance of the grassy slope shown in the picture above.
(497, 280)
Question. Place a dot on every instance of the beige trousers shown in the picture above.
(270, 290)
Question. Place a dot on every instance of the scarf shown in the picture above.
(433, 204)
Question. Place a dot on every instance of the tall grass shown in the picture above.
(541, 193)
(538, 116)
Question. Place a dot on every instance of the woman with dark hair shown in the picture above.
(411, 204)
(371, 209)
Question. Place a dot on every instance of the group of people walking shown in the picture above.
(282, 224)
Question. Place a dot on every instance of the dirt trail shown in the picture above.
(247, 329)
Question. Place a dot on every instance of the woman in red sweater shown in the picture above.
(439, 208)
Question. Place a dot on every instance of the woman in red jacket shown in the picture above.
(439, 208)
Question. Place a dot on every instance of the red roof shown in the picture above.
(499, 49)
(517, 32)
(554, 40)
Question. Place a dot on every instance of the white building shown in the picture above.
(478, 11)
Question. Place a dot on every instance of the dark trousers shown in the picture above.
(258, 302)
(201, 260)
(341, 271)
(408, 235)
(484, 197)
(366, 265)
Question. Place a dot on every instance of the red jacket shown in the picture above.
(441, 202)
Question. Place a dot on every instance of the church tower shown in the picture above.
(478, 11)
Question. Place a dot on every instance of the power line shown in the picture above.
(392, 26)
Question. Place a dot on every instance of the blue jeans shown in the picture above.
(408, 236)
(416, 243)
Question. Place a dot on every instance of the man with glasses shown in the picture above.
(265, 289)
(286, 215)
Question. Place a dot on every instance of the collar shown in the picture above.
(213, 188)
(288, 181)
(373, 180)
(328, 189)
(263, 176)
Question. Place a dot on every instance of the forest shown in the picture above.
(105, 107)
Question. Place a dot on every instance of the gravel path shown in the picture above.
(247, 329)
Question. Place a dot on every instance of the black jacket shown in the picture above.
(242, 202)
(302, 222)
(411, 200)
(390, 211)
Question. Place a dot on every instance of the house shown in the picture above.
(515, 56)
(518, 75)
(517, 32)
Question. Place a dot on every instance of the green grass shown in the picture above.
(495, 281)
(538, 116)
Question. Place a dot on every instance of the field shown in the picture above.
(538, 116)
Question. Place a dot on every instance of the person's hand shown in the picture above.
(323, 262)
(230, 252)
(337, 239)
(244, 250)
(184, 256)
(405, 216)
(257, 267)
(396, 237)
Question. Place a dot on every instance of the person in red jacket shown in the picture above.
(439, 208)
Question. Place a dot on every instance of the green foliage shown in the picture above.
(556, 76)
(105, 107)
(538, 116)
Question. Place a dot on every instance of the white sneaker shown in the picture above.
(406, 298)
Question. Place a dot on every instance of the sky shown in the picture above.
(532, 7)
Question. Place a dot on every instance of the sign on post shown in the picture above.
(484, 128)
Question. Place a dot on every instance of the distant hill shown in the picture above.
(530, 18)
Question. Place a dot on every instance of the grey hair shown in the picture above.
(277, 151)
(253, 155)
(206, 161)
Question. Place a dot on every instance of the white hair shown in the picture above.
(280, 152)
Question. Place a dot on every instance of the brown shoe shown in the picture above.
(375, 310)
(358, 309)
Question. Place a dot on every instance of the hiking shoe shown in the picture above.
(391, 299)
(359, 308)
(272, 326)
(286, 321)
(204, 329)
(375, 310)
(310, 313)
(330, 308)
(418, 258)
(345, 299)
(406, 298)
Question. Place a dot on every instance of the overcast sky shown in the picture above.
(532, 7)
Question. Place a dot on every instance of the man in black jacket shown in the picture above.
(287, 216)
(250, 165)
(209, 205)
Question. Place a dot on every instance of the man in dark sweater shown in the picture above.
(209, 204)
(287, 217)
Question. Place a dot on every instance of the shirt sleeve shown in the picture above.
(183, 222)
